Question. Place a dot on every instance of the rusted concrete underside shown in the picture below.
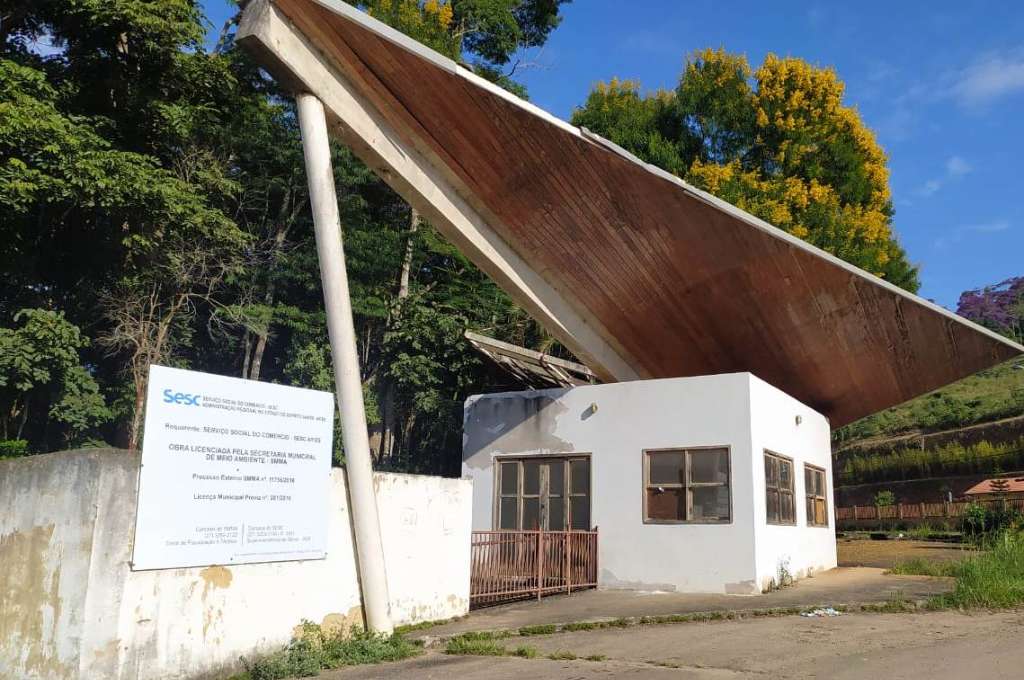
(636, 271)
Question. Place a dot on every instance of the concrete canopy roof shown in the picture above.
(637, 272)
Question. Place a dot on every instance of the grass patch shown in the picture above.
(993, 579)
(918, 566)
(581, 625)
(595, 657)
(315, 650)
(464, 645)
(546, 629)
(525, 652)
(423, 625)
(896, 604)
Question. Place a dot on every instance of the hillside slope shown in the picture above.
(991, 395)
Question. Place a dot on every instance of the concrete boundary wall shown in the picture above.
(71, 608)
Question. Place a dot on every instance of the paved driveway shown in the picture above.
(843, 586)
(929, 646)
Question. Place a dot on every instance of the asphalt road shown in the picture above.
(930, 646)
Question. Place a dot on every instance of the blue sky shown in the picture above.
(941, 83)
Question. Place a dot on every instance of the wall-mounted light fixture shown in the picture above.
(799, 419)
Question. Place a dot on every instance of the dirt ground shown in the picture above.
(930, 646)
(885, 554)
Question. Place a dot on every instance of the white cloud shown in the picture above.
(989, 227)
(956, 167)
(957, 234)
(989, 78)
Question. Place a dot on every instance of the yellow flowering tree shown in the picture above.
(489, 34)
(776, 141)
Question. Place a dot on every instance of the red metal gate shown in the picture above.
(513, 565)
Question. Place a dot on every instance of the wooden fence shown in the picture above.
(513, 565)
(916, 511)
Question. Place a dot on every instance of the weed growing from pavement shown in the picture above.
(474, 646)
(423, 625)
(314, 650)
(547, 629)
(562, 656)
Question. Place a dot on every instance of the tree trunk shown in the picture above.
(24, 418)
(248, 352)
(403, 279)
(257, 355)
(386, 388)
(140, 400)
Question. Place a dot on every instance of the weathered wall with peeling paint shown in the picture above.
(71, 608)
(736, 410)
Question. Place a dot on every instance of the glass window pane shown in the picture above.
(531, 513)
(556, 477)
(580, 476)
(785, 474)
(808, 480)
(819, 483)
(710, 502)
(507, 513)
(580, 509)
(556, 513)
(531, 477)
(773, 505)
(709, 466)
(509, 479)
(669, 504)
(666, 467)
(810, 511)
(771, 477)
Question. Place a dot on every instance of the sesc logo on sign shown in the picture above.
(172, 397)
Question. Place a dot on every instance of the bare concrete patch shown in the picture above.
(854, 586)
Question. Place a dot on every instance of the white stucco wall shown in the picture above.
(71, 608)
(652, 414)
(802, 549)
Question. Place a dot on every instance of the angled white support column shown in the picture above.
(429, 187)
(358, 468)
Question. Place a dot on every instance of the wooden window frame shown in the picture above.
(687, 486)
(565, 496)
(791, 491)
(814, 497)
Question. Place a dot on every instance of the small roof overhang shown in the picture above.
(661, 279)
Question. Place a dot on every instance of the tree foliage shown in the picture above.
(776, 141)
(41, 372)
(156, 211)
(999, 307)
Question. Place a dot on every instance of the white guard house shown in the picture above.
(718, 484)
(695, 483)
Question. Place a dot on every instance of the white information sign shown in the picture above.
(233, 471)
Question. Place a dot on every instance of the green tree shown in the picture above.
(154, 191)
(777, 141)
(43, 385)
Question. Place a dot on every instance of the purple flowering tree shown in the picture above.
(999, 307)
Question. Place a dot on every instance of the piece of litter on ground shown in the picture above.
(821, 612)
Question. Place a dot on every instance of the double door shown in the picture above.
(548, 493)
